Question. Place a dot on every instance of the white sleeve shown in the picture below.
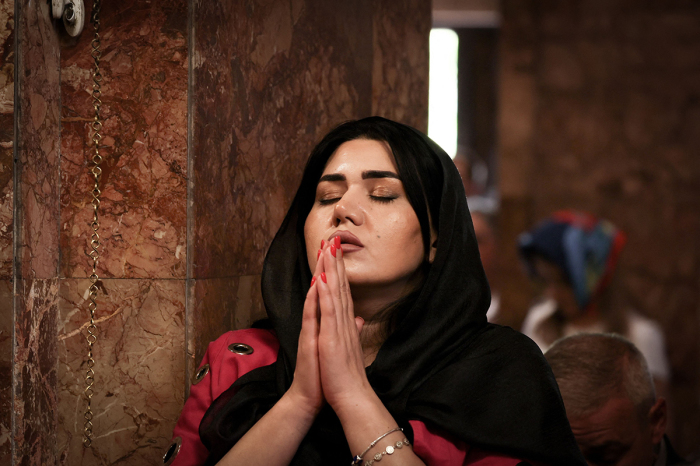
(535, 318)
(648, 337)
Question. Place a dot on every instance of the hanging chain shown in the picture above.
(94, 254)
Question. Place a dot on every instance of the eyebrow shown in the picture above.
(366, 175)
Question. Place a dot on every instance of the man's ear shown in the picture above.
(657, 420)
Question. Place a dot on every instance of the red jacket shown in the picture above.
(230, 356)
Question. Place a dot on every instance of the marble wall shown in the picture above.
(140, 349)
(209, 113)
(401, 55)
(600, 110)
(35, 274)
(7, 78)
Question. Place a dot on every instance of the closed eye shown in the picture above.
(328, 201)
(383, 199)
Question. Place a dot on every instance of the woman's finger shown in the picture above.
(326, 303)
(359, 323)
(344, 286)
(309, 320)
(330, 259)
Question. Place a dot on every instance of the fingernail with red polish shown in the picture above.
(313, 280)
(323, 243)
(319, 254)
(333, 249)
(323, 277)
(336, 240)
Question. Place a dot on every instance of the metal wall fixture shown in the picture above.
(73, 14)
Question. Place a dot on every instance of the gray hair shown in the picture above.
(593, 368)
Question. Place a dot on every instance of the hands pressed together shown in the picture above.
(330, 363)
(330, 369)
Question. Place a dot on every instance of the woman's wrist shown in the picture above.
(306, 408)
(359, 409)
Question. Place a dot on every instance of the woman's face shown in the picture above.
(361, 198)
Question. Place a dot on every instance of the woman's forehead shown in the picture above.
(360, 155)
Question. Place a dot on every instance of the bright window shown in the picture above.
(442, 105)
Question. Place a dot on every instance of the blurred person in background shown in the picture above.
(574, 255)
(485, 230)
(611, 402)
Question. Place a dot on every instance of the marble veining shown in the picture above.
(400, 65)
(35, 279)
(7, 115)
(143, 213)
(34, 391)
(260, 106)
(139, 370)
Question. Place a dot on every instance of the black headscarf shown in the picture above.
(443, 364)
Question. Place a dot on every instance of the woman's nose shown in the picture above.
(347, 209)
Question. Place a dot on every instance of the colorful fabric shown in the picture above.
(585, 248)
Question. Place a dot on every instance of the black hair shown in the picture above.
(418, 168)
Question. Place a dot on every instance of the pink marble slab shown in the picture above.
(7, 115)
(6, 321)
(260, 104)
(139, 369)
(400, 61)
(144, 94)
(34, 366)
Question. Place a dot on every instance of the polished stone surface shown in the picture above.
(262, 98)
(36, 225)
(144, 94)
(400, 65)
(7, 88)
(34, 391)
(38, 152)
(7, 69)
(5, 371)
(139, 369)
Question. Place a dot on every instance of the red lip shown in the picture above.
(346, 238)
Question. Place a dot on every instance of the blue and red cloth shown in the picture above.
(585, 248)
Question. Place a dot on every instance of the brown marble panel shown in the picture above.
(36, 205)
(6, 320)
(144, 94)
(7, 43)
(7, 99)
(38, 136)
(34, 390)
(220, 305)
(270, 78)
(139, 370)
(400, 66)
